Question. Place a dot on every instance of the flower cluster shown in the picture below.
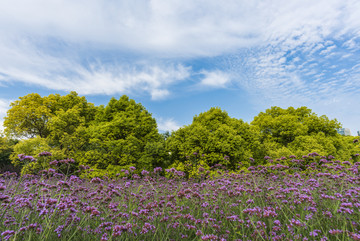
(270, 202)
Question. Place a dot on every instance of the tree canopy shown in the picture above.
(123, 134)
(214, 138)
(33, 115)
(298, 132)
(120, 137)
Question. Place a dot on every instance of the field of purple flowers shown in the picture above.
(276, 201)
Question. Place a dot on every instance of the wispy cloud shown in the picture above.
(4, 106)
(217, 78)
(22, 62)
(167, 124)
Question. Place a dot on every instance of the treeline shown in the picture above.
(112, 138)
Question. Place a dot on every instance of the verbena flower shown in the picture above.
(44, 153)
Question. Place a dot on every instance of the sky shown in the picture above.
(179, 58)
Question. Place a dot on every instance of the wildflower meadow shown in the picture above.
(309, 198)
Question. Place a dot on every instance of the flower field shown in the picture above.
(276, 201)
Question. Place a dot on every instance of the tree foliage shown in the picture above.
(298, 132)
(284, 125)
(28, 117)
(53, 115)
(124, 134)
(214, 138)
(6, 149)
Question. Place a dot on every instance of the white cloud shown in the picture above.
(21, 61)
(168, 28)
(4, 106)
(167, 125)
(216, 78)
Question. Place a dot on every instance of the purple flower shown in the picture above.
(277, 222)
(54, 163)
(132, 169)
(157, 169)
(7, 234)
(315, 232)
(96, 180)
(144, 172)
(335, 231)
(104, 237)
(313, 154)
(45, 153)
(198, 233)
(22, 157)
(58, 230)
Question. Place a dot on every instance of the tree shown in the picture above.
(123, 134)
(284, 125)
(28, 117)
(50, 116)
(214, 138)
(291, 131)
(6, 148)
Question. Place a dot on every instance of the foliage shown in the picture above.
(299, 131)
(32, 147)
(214, 138)
(284, 125)
(28, 117)
(123, 134)
(51, 116)
(6, 148)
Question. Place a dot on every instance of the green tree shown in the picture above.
(28, 117)
(51, 116)
(6, 148)
(284, 125)
(214, 138)
(123, 134)
(298, 132)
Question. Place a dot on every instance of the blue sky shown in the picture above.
(180, 58)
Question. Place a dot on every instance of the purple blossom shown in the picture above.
(22, 157)
(44, 153)
(144, 173)
(157, 169)
(315, 233)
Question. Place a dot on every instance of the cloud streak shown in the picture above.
(24, 63)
